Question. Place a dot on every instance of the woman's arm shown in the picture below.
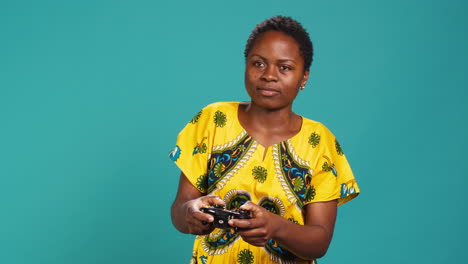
(308, 241)
(185, 211)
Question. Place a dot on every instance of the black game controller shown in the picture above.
(222, 216)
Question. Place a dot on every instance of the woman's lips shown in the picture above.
(267, 91)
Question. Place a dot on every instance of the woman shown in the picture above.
(287, 171)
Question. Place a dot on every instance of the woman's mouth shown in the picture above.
(267, 91)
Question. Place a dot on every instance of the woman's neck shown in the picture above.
(269, 119)
(269, 127)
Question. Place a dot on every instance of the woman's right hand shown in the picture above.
(199, 223)
(185, 211)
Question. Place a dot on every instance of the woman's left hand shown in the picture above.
(259, 229)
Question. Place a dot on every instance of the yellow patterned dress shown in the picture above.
(219, 157)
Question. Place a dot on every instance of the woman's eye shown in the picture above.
(258, 64)
(285, 68)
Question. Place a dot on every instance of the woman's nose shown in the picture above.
(270, 74)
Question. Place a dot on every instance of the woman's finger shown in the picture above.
(212, 200)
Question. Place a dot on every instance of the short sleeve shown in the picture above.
(192, 149)
(332, 177)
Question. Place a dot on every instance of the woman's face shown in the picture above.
(274, 71)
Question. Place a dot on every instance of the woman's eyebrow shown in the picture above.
(261, 57)
(280, 60)
(287, 60)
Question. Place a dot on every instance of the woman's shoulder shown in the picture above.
(218, 114)
(309, 124)
(221, 106)
(311, 128)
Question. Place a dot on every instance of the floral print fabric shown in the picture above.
(219, 157)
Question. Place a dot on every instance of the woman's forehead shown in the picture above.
(275, 42)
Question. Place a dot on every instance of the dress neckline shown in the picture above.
(237, 109)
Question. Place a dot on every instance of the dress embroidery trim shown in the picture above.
(226, 160)
(219, 242)
(293, 173)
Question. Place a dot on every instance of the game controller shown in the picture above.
(222, 216)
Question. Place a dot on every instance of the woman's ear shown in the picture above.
(305, 78)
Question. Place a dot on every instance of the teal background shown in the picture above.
(93, 94)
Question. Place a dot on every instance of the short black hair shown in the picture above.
(290, 27)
